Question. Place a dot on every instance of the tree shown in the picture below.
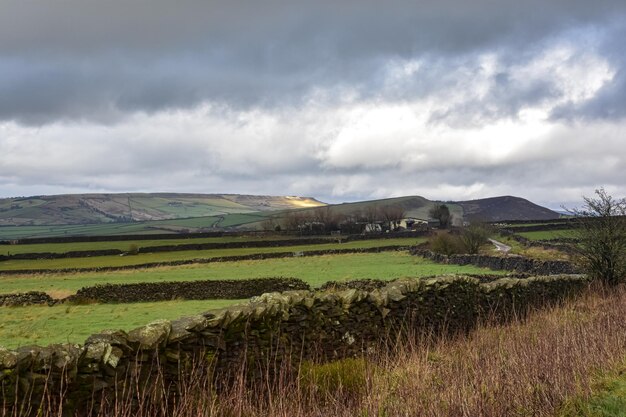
(371, 214)
(600, 232)
(327, 217)
(441, 212)
(393, 215)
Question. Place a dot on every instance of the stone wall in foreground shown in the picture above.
(268, 329)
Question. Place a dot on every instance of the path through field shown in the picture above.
(500, 246)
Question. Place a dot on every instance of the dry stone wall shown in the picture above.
(188, 290)
(510, 263)
(268, 329)
(25, 299)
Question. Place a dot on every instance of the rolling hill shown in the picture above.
(130, 214)
(497, 209)
(73, 209)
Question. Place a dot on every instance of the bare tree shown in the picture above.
(328, 217)
(371, 213)
(601, 237)
(393, 215)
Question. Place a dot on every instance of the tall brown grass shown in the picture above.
(526, 368)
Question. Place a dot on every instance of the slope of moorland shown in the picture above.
(133, 207)
(505, 208)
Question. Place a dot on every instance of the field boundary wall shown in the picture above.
(517, 264)
(287, 326)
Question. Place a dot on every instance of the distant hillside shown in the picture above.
(505, 208)
(75, 209)
(488, 209)
(131, 214)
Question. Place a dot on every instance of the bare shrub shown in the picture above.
(601, 235)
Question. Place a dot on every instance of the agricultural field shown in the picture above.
(73, 323)
(43, 325)
(142, 258)
(124, 245)
(549, 234)
(315, 270)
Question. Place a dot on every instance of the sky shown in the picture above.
(340, 100)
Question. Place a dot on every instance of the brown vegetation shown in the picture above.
(526, 368)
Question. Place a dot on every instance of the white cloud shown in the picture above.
(370, 118)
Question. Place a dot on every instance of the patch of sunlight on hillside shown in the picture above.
(303, 202)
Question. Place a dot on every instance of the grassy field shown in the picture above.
(518, 248)
(64, 323)
(314, 270)
(103, 261)
(43, 325)
(125, 244)
(549, 234)
(608, 397)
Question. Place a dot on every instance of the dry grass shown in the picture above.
(527, 368)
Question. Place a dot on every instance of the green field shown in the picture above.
(315, 270)
(117, 260)
(42, 325)
(549, 234)
(105, 229)
(125, 244)
(67, 323)
(608, 398)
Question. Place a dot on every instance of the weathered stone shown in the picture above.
(185, 327)
(8, 358)
(151, 335)
(112, 337)
(95, 352)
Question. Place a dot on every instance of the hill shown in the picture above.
(73, 209)
(497, 209)
(111, 214)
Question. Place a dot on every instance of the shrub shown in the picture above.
(446, 244)
(474, 236)
(133, 249)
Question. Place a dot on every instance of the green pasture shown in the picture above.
(191, 224)
(549, 234)
(104, 229)
(608, 398)
(315, 270)
(68, 323)
(43, 325)
(108, 229)
(125, 244)
(117, 260)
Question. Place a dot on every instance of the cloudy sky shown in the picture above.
(341, 100)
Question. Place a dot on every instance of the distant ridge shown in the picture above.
(70, 209)
(175, 213)
(505, 208)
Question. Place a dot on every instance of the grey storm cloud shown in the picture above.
(339, 100)
(99, 60)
